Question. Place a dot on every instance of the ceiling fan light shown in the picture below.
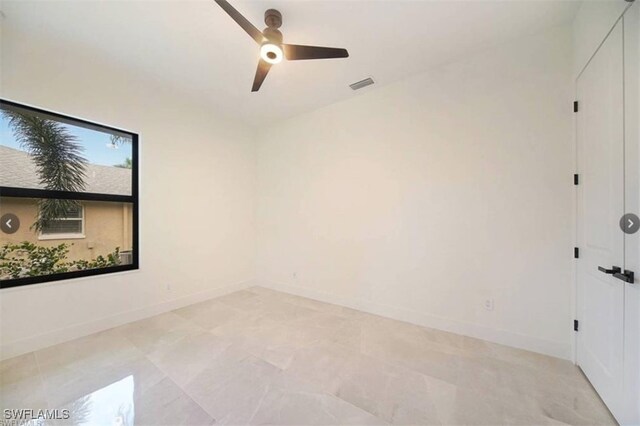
(271, 53)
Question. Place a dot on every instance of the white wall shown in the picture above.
(417, 200)
(196, 205)
(421, 199)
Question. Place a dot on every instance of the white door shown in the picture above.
(600, 150)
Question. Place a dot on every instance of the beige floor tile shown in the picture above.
(232, 387)
(73, 369)
(161, 330)
(292, 402)
(128, 401)
(166, 404)
(390, 392)
(73, 385)
(259, 356)
(21, 385)
(189, 356)
(96, 351)
(209, 314)
(324, 364)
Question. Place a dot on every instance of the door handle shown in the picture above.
(627, 276)
(614, 270)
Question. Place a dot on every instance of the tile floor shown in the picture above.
(262, 357)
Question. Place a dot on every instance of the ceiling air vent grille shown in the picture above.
(362, 83)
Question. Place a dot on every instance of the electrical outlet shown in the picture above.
(489, 304)
(294, 275)
(168, 286)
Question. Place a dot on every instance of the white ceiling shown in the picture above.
(195, 47)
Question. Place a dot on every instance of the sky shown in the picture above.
(98, 148)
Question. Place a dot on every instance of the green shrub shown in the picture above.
(29, 260)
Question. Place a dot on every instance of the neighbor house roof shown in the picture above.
(17, 169)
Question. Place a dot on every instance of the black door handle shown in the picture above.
(626, 277)
(614, 270)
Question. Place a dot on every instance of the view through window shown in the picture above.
(68, 197)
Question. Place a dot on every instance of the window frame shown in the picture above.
(42, 236)
(132, 199)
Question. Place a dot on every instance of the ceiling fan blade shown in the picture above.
(296, 52)
(242, 21)
(261, 74)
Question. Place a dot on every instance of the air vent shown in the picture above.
(362, 83)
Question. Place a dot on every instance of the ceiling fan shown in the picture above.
(272, 49)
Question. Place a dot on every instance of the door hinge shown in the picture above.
(575, 325)
(576, 179)
(575, 106)
(576, 253)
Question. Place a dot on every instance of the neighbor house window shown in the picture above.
(69, 226)
(68, 197)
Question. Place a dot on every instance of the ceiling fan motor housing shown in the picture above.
(273, 18)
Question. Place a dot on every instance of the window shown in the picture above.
(68, 197)
(69, 226)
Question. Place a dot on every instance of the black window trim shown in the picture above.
(80, 196)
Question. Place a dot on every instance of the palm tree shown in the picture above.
(127, 164)
(117, 140)
(58, 159)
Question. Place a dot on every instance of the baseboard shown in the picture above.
(40, 341)
(503, 337)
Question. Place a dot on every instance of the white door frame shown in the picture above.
(631, 25)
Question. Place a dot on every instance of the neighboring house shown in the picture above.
(97, 228)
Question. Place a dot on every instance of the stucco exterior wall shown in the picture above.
(106, 226)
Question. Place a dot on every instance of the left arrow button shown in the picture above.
(9, 223)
